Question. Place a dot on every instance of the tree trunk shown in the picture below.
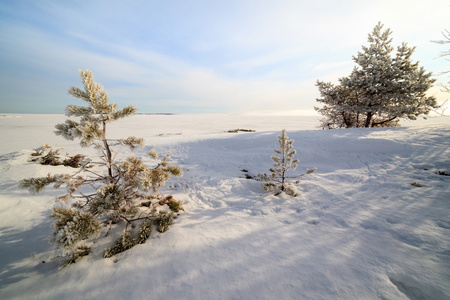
(108, 153)
(385, 121)
(368, 119)
(283, 166)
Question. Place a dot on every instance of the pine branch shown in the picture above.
(36, 185)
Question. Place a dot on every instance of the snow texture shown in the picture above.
(357, 230)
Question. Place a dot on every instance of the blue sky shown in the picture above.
(200, 56)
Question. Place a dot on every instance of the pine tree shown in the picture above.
(381, 89)
(282, 164)
(91, 129)
(107, 191)
(340, 109)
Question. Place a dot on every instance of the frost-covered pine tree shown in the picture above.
(278, 179)
(106, 191)
(339, 110)
(91, 128)
(381, 89)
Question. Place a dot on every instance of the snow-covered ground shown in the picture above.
(357, 230)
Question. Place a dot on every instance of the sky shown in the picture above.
(188, 56)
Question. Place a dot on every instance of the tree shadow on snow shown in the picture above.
(22, 252)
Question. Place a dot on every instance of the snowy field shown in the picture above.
(357, 230)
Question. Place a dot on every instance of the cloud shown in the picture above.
(145, 76)
(231, 55)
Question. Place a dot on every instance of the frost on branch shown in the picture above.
(278, 180)
(106, 192)
(132, 142)
(123, 243)
(126, 241)
(71, 227)
(36, 185)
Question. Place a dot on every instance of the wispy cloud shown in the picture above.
(180, 56)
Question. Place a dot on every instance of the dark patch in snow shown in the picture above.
(341, 223)
(392, 221)
(313, 222)
(369, 225)
(443, 173)
(409, 239)
(240, 130)
(417, 291)
(246, 175)
(443, 224)
(299, 210)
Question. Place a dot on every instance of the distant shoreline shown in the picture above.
(9, 114)
(158, 114)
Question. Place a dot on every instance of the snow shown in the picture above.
(357, 230)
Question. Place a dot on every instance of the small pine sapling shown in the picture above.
(51, 158)
(278, 179)
(74, 161)
(106, 191)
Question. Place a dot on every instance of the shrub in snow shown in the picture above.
(278, 179)
(123, 243)
(174, 205)
(381, 89)
(443, 173)
(105, 191)
(45, 155)
(51, 157)
(164, 219)
(74, 161)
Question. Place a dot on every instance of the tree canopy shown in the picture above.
(382, 88)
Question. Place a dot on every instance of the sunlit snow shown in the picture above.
(359, 229)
